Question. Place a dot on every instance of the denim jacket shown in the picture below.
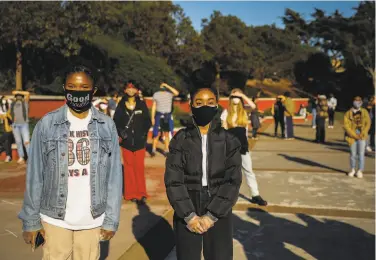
(47, 170)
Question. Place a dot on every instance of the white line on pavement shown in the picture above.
(11, 232)
(8, 202)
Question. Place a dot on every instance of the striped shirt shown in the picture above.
(163, 99)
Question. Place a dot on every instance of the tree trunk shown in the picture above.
(19, 70)
(372, 72)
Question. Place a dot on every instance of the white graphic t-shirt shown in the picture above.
(78, 207)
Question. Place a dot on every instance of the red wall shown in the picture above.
(40, 107)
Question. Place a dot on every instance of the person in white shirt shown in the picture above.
(235, 120)
(332, 104)
(203, 178)
(74, 176)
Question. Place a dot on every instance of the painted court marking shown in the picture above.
(10, 232)
(8, 202)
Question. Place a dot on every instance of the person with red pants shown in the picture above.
(133, 121)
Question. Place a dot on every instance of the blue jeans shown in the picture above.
(357, 148)
(314, 114)
(21, 135)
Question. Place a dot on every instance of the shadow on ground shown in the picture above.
(160, 240)
(310, 163)
(280, 238)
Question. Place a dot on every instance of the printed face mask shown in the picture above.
(204, 115)
(79, 101)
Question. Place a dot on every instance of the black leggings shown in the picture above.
(6, 141)
(281, 122)
(320, 130)
(331, 113)
(217, 242)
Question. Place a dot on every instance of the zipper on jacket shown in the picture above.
(126, 111)
(207, 159)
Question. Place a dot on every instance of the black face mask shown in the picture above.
(79, 101)
(204, 115)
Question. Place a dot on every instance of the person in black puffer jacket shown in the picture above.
(203, 178)
(133, 121)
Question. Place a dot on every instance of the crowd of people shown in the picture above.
(75, 180)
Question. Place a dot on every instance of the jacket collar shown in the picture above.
(61, 115)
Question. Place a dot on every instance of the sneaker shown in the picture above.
(21, 161)
(259, 201)
(352, 173)
(369, 149)
(359, 174)
(314, 127)
(8, 159)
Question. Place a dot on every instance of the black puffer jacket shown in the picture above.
(138, 127)
(183, 176)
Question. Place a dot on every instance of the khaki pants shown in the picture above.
(65, 244)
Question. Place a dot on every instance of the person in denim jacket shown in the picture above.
(74, 176)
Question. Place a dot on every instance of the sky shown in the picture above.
(260, 12)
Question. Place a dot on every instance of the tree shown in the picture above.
(127, 63)
(225, 38)
(27, 24)
(350, 40)
(31, 26)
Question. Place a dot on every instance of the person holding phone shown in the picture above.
(73, 179)
(203, 177)
(133, 121)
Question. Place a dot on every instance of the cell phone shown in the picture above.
(39, 240)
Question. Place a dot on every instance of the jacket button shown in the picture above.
(65, 136)
(63, 175)
(62, 195)
(63, 154)
(59, 215)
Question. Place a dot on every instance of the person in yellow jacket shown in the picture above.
(289, 113)
(357, 124)
(6, 139)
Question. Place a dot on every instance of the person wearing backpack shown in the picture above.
(133, 121)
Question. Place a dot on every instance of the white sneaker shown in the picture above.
(21, 161)
(314, 127)
(352, 173)
(369, 149)
(359, 174)
(8, 159)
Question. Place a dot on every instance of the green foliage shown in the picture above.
(151, 42)
(350, 40)
(127, 63)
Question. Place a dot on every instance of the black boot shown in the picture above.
(259, 201)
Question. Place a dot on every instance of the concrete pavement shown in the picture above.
(260, 235)
(297, 177)
(134, 223)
